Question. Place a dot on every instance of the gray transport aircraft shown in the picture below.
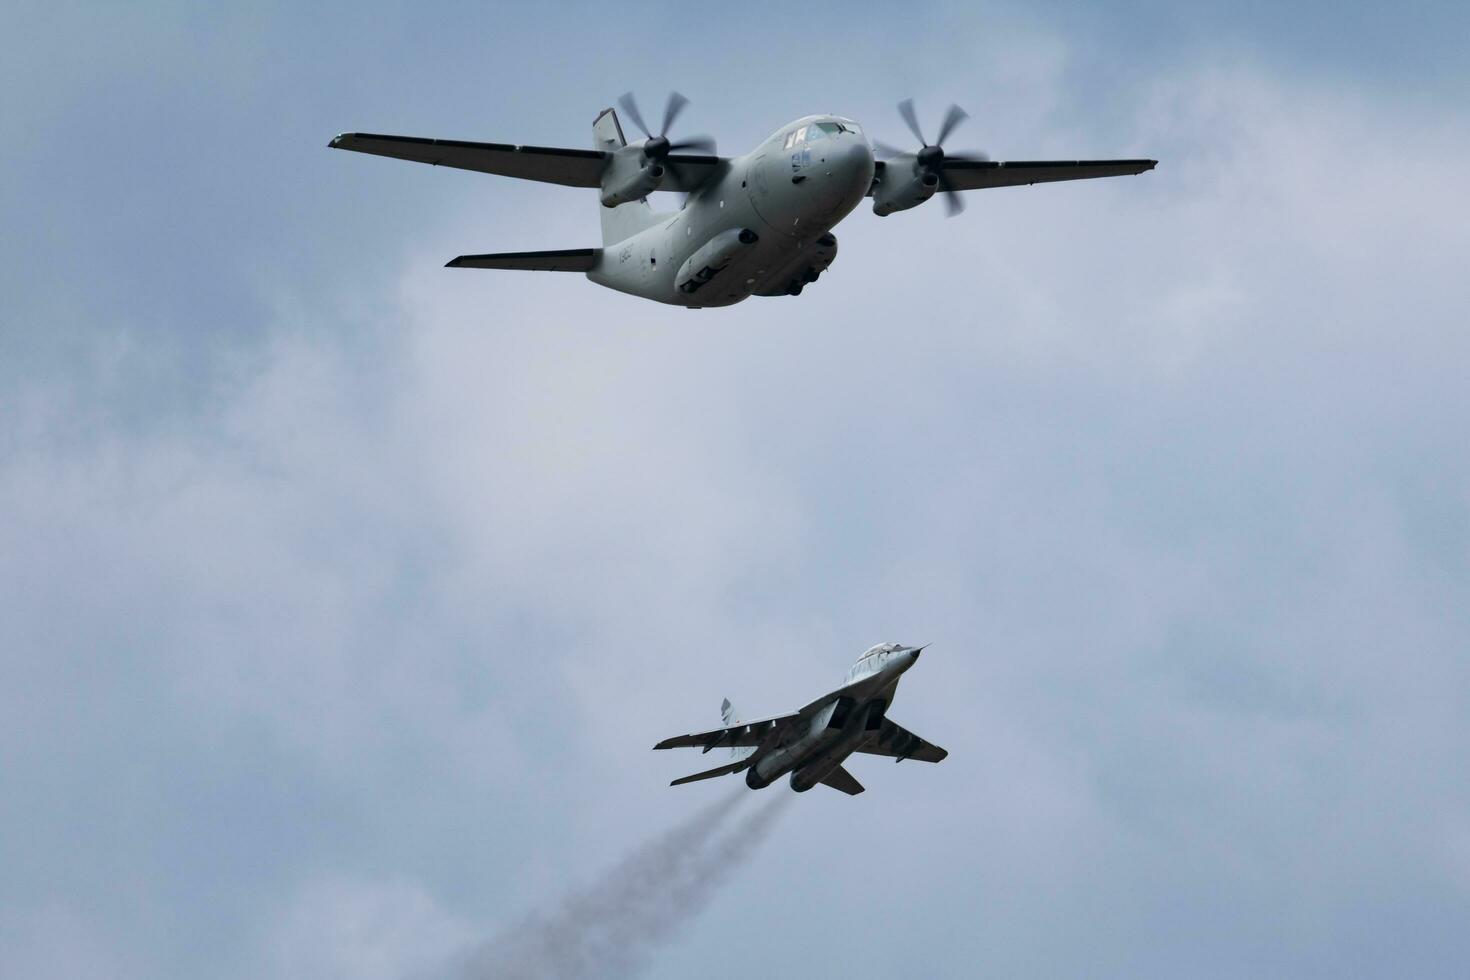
(812, 743)
(754, 225)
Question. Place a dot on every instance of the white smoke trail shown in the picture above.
(613, 927)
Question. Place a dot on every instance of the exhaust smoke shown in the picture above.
(613, 927)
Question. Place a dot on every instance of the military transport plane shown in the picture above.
(812, 743)
(754, 225)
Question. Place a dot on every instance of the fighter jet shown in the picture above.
(759, 224)
(812, 743)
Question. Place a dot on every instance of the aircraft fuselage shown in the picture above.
(836, 731)
(762, 227)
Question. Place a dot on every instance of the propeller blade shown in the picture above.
(906, 109)
(953, 116)
(702, 144)
(980, 157)
(886, 150)
(953, 203)
(630, 107)
(675, 106)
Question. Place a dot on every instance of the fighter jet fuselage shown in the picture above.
(812, 743)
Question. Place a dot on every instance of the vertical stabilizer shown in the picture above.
(727, 715)
(625, 220)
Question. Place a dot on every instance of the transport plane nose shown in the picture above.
(853, 159)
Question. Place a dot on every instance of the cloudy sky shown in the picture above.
(342, 595)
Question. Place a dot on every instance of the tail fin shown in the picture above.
(625, 220)
(727, 715)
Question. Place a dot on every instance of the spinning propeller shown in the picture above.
(931, 157)
(658, 148)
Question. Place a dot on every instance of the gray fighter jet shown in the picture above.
(811, 743)
(754, 225)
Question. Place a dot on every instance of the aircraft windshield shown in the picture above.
(819, 130)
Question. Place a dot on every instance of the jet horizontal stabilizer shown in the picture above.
(712, 773)
(842, 780)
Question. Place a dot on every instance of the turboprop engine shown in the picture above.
(637, 170)
(631, 175)
(910, 179)
(906, 183)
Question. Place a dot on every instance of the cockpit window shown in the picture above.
(819, 130)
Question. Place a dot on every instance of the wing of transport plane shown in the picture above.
(549, 164)
(899, 743)
(970, 175)
(556, 260)
(747, 733)
(842, 780)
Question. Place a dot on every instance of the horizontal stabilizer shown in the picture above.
(556, 260)
(711, 773)
(842, 780)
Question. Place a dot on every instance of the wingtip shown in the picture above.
(454, 263)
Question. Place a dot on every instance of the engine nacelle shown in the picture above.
(630, 176)
(853, 726)
(905, 184)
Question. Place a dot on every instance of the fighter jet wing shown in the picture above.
(969, 175)
(899, 743)
(842, 780)
(747, 733)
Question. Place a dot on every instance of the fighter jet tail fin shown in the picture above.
(727, 715)
(710, 773)
(842, 780)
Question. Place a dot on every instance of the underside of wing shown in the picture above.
(842, 780)
(689, 172)
(897, 742)
(970, 175)
(556, 260)
(747, 733)
(551, 164)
